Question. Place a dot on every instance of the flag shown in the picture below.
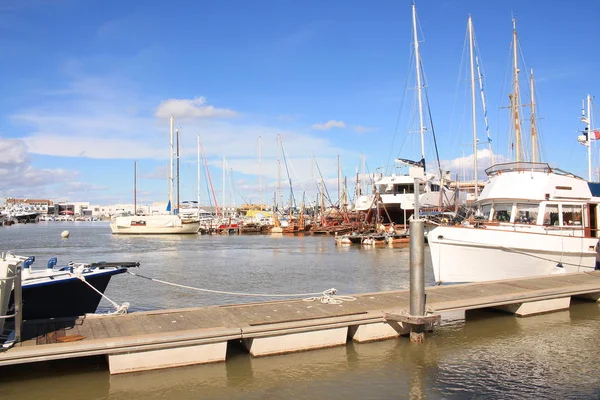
(596, 134)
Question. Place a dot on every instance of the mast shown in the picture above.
(279, 195)
(198, 176)
(223, 190)
(472, 60)
(534, 140)
(587, 119)
(515, 96)
(260, 188)
(178, 200)
(339, 182)
(134, 187)
(171, 162)
(418, 69)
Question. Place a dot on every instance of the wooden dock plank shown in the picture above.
(276, 317)
(82, 327)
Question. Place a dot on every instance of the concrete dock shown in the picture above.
(168, 338)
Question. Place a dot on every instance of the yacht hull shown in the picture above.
(153, 225)
(466, 254)
(64, 296)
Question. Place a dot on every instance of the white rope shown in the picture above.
(119, 309)
(326, 297)
(330, 297)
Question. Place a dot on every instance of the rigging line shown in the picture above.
(402, 101)
(323, 182)
(480, 75)
(288, 175)
(502, 94)
(459, 80)
(209, 178)
(437, 154)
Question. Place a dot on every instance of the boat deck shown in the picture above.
(180, 328)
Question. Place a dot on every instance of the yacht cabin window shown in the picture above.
(571, 214)
(551, 215)
(502, 212)
(407, 188)
(526, 213)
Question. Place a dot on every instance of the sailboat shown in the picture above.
(534, 220)
(395, 193)
(171, 223)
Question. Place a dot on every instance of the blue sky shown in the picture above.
(87, 87)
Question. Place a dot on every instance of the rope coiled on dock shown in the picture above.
(326, 297)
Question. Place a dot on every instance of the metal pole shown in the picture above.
(417, 267)
(18, 297)
(417, 193)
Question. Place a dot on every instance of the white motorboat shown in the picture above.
(534, 220)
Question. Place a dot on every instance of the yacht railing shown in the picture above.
(519, 167)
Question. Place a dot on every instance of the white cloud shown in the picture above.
(92, 147)
(363, 129)
(461, 168)
(18, 178)
(329, 124)
(192, 108)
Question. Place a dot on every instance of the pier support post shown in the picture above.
(417, 277)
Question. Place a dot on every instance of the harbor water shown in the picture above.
(492, 356)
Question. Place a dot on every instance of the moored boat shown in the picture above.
(535, 220)
(153, 224)
(63, 291)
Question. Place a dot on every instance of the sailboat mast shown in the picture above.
(279, 195)
(260, 188)
(515, 96)
(198, 176)
(178, 199)
(339, 182)
(589, 135)
(134, 187)
(534, 139)
(472, 60)
(418, 70)
(171, 162)
(223, 190)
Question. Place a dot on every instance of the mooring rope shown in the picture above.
(119, 309)
(326, 297)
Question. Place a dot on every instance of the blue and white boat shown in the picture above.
(64, 291)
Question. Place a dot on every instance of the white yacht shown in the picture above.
(534, 220)
(396, 194)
